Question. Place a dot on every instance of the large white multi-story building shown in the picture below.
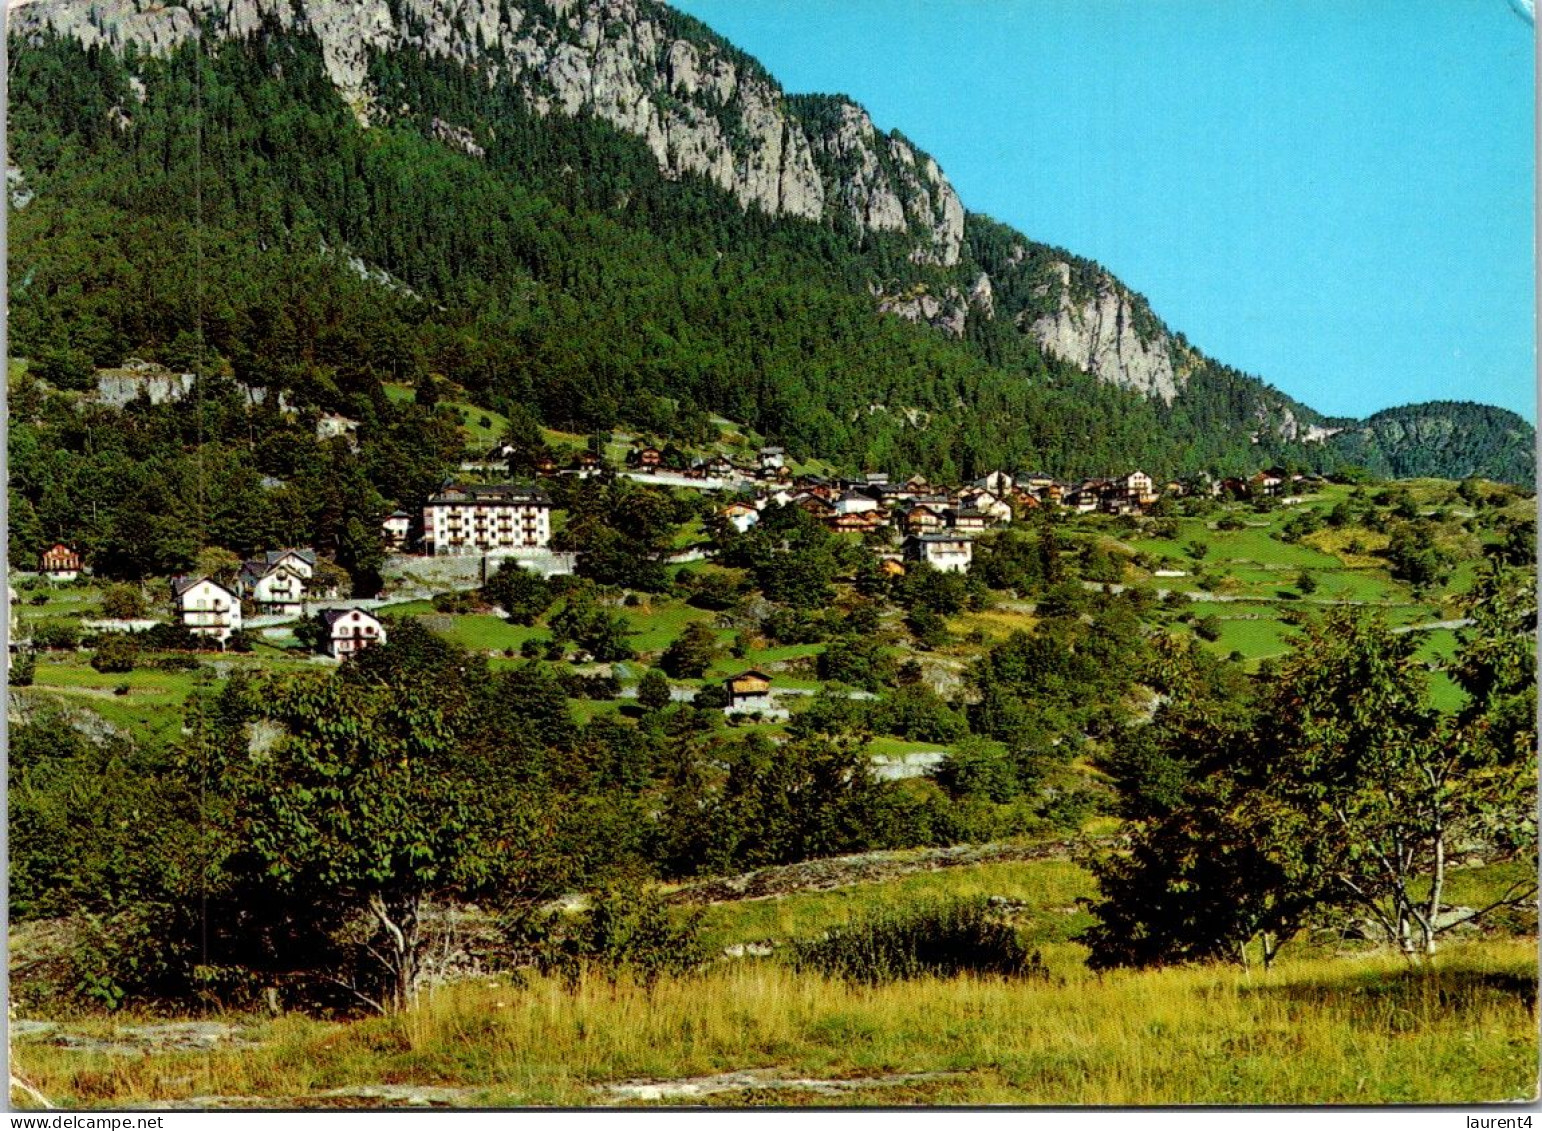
(486, 519)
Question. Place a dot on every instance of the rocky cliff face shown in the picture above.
(701, 107)
(1105, 331)
(882, 183)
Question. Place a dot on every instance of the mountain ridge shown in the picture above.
(702, 108)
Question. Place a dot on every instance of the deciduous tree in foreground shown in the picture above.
(1350, 792)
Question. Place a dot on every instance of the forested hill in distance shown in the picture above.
(1443, 439)
(600, 213)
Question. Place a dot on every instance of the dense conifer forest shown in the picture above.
(214, 221)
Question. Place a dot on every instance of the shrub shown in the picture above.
(173, 638)
(626, 930)
(55, 636)
(454, 603)
(934, 940)
(1208, 628)
(712, 697)
(23, 670)
(691, 653)
(123, 602)
(115, 654)
(653, 691)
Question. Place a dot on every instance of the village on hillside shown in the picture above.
(914, 521)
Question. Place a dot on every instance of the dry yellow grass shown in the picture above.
(1336, 542)
(1328, 1030)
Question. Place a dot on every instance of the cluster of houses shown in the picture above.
(937, 524)
(279, 584)
(276, 584)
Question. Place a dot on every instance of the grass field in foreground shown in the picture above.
(1366, 1030)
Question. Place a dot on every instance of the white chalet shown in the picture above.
(1138, 488)
(60, 563)
(275, 582)
(486, 519)
(349, 631)
(206, 608)
(950, 553)
(396, 529)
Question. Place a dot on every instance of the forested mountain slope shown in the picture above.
(1445, 440)
(600, 210)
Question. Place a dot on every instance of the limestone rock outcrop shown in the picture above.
(700, 106)
(1103, 333)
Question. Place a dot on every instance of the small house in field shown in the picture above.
(771, 458)
(1266, 483)
(749, 691)
(60, 563)
(206, 608)
(348, 631)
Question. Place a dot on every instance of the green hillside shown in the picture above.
(1446, 440)
(562, 272)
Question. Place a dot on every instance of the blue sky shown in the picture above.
(1334, 195)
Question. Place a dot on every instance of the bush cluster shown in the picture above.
(965, 936)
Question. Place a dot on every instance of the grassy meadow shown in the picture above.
(1331, 1022)
(1362, 1030)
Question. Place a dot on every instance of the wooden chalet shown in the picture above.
(922, 519)
(60, 563)
(749, 691)
(645, 459)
